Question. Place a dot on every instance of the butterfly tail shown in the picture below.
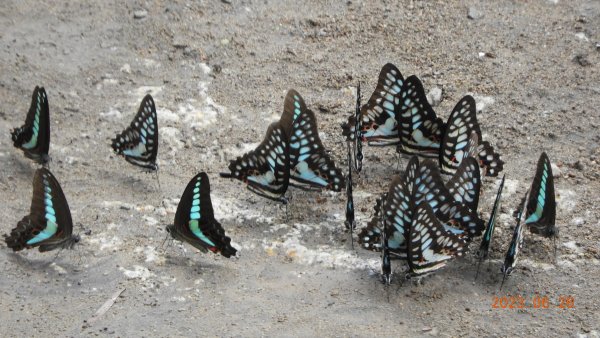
(489, 159)
(17, 240)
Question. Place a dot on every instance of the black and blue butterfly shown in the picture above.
(265, 169)
(350, 219)
(49, 225)
(540, 212)
(420, 130)
(138, 143)
(310, 165)
(516, 244)
(458, 142)
(376, 121)
(430, 246)
(34, 136)
(195, 222)
(484, 247)
(292, 150)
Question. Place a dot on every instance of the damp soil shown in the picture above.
(218, 71)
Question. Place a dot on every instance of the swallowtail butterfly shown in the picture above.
(419, 128)
(465, 184)
(195, 222)
(516, 244)
(378, 118)
(386, 264)
(49, 225)
(350, 221)
(266, 168)
(430, 246)
(310, 165)
(540, 214)
(34, 136)
(138, 143)
(370, 236)
(484, 247)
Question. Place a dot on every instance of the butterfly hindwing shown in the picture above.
(516, 244)
(455, 144)
(310, 165)
(430, 246)
(397, 215)
(420, 130)
(484, 248)
(540, 213)
(34, 136)
(138, 143)
(195, 222)
(266, 168)
(49, 224)
(370, 236)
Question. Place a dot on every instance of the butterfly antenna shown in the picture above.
(503, 278)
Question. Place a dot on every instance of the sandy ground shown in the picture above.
(219, 71)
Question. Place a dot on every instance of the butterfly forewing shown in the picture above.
(540, 214)
(49, 224)
(420, 130)
(195, 222)
(397, 216)
(465, 184)
(310, 165)
(34, 136)
(430, 246)
(455, 144)
(378, 115)
(138, 143)
(266, 168)
(516, 244)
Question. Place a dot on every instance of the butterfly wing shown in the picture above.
(370, 236)
(516, 244)
(195, 222)
(489, 159)
(378, 116)
(139, 142)
(266, 168)
(430, 246)
(34, 136)
(397, 217)
(310, 165)
(540, 214)
(49, 224)
(350, 223)
(484, 248)
(465, 184)
(455, 144)
(420, 130)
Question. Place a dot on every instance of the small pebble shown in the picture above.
(435, 96)
(556, 172)
(474, 14)
(140, 14)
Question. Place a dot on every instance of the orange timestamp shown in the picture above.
(533, 302)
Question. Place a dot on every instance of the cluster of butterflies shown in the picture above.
(398, 113)
(49, 225)
(420, 219)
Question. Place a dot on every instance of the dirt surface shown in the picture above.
(219, 71)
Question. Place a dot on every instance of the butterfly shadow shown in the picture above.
(52, 265)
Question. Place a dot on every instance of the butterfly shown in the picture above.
(419, 128)
(386, 264)
(516, 244)
(195, 222)
(350, 221)
(484, 247)
(430, 246)
(358, 155)
(49, 224)
(310, 165)
(540, 213)
(376, 121)
(465, 184)
(34, 136)
(450, 209)
(266, 168)
(370, 236)
(458, 142)
(138, 143)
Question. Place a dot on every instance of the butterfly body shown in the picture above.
(138, 143)
(34, 136)
(48, 225)
(195, 222)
